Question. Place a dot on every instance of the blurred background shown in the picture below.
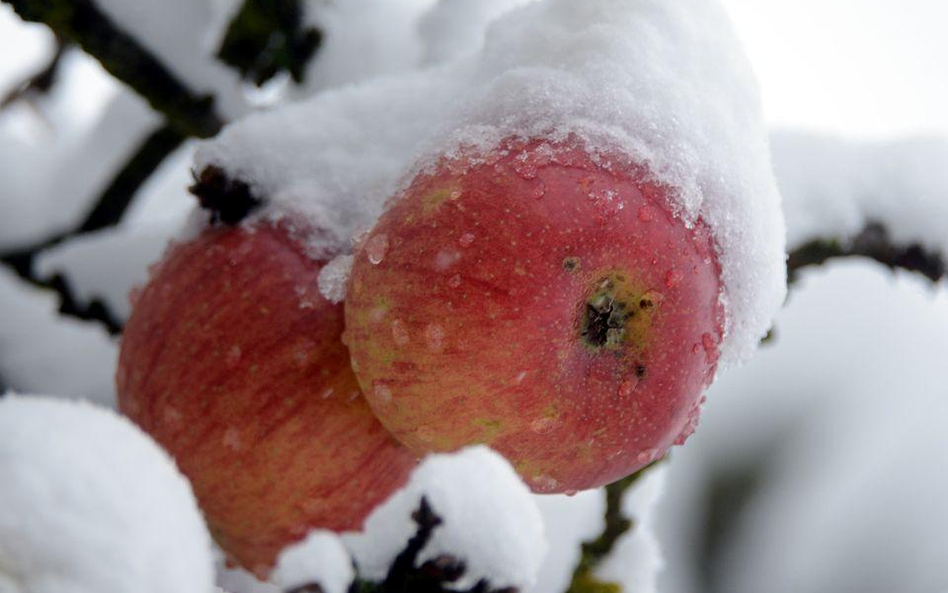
(820, 467)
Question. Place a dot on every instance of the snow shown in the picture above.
(636, 561)
(846, 410)
(107, 264)
(452, 28)
(321, 559)
(332, 278)
(832, 188)
(92, 505)
(569, 521)
(363, 39)
(490, 521)
(185, 35)
(42, 351)
(54, 181)
(664, 83)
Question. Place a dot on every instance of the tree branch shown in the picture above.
(874, 243)
(597, 550)
(107, 211)
(81, 22)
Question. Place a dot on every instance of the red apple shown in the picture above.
(233, 361)
(540, 300)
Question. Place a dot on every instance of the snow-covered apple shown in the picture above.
(233, 361)
(544, 299)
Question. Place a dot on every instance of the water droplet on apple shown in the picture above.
(376, 248)
(327, 393)
(233, 357)
(570, 493)
(445, 259)
(399, 332)
(539, 191)
(544, 483)
(466, 239)
(645, 213)
(673, 277)
(647, 456)
(382, 393)
(425, 434)
(454, 281)
(434, 337)
(232, 439)
(520, 377)
(627, 387)
(710, 347)
(543, 425)
(172, 417)
(455, 194)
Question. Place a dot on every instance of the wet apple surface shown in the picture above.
(232, 360)
(543, 301)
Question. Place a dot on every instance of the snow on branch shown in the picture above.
(82, 22)
(617, 524)
(885, 201)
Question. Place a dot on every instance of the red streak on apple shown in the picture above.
(233, 361)
(542, 301)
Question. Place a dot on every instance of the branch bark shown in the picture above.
(873, 242)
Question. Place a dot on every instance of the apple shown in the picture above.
(543, 301)
(233, 361)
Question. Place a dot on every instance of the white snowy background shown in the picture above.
(818, 467)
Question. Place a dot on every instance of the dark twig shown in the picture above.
(616, 525)
(874, 243)
(433, 576)
(41, 81)
(268, 37)
(81, 22)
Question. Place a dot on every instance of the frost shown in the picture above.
(319, 559)
(664, 83)
(490, 521)
(92, 505)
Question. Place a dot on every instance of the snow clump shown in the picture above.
(664, 83)
(90, 504)
(490, 521)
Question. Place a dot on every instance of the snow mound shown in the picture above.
(490, 521)
(319, 559)
(92, 505)
(664, 83)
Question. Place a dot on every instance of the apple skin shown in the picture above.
(546, 304)
(233, 361)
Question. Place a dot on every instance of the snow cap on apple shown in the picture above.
(90, 504)
(653, 97)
